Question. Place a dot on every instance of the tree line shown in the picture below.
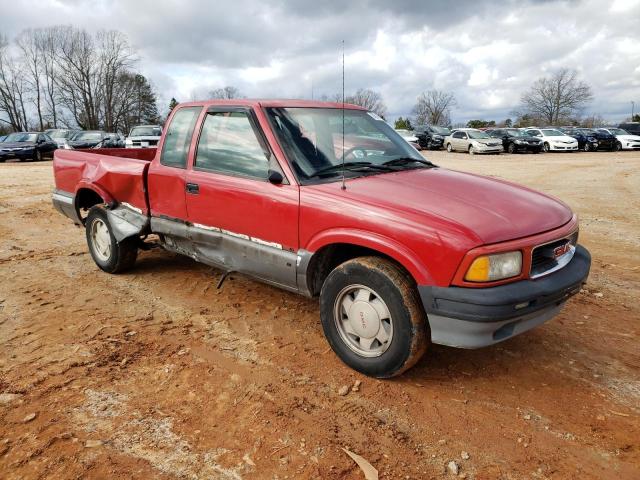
(66, 77)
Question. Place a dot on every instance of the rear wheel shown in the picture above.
(372, 317)
(110, 255)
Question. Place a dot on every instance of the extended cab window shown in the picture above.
(228, 144)
(178, 137)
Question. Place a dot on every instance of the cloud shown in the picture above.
(486, 52)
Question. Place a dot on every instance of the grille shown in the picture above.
(543, 259)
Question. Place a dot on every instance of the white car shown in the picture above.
(473, 141)
(554, 140)
(143, 136)
(626, 140)
(409, 136)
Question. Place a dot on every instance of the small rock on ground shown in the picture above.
(29, 417)
(343, 390)
(453, 467)
(465, 456)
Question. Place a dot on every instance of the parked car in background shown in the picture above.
(624, 140)
(514, 140)
(586, 142)
(473, 141)
(30, 146)
(431, 137)
(87, 139)
(553, 140)
(410, 137)
(61, 136)
(144, 136)
(590, 139)
(633, 128)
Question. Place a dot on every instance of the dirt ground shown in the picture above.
(156, 374)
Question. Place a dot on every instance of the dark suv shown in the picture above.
(590, 139)
(430, 136)
(632, 127)
(515, 140)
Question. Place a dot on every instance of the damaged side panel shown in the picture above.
(127, 221)
(229, 252)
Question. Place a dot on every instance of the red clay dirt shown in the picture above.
(157, 374)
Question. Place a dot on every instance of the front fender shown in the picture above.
(388, 246)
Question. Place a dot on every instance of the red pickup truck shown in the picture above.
(329, 201)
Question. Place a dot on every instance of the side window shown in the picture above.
(178, 137)
(457, 135)
(228, 144)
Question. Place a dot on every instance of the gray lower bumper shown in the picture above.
(468, 334)
(64, 203)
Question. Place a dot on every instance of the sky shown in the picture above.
(485, 52)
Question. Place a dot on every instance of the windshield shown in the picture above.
(313, 142)
(514, 132)
(477, 134)
(618, 131)
(588, 131)
(441, 130)
(88, 136)
(145, 132)
(548, 132)
(21, 137)
(405, 133)
(60, 133)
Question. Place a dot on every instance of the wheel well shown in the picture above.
(85, 199)
(330, 256)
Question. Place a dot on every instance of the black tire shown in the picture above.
(511, 148)
(587, 147)
(546, 147)
(616, 147)
(449, 148)
(122, 255)
(411, 335)
(471, 150)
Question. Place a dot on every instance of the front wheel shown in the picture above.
(546, 147)
(587, 147)
(372, 317)
(511, 148)
(110, 255)
(617, 147)
(449, 148)
(471, 150)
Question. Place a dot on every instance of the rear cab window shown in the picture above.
(178, 137)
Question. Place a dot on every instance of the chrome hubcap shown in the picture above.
(101, 239)
(363, 321)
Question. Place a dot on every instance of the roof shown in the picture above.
(284, 103)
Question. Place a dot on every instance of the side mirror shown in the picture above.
(275, 177)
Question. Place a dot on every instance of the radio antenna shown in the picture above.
(344, 187)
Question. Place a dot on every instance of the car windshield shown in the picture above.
(441, 130)
(145, 132)
(514, 132)
(477, 134)
(618, 131)
(88, 136)
(21, 137)
(549, 132)
(60, 133)
(313, 141)
(405, 133)
(588, 131)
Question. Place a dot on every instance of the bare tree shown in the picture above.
(12, 89)
(227, 93)
(369, 99)
(32, 57)
(115, 58)
(47, 41)
(557, 97)
(434, 107)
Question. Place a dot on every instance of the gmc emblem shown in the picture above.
(561, 250)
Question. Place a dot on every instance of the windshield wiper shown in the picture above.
(406, 160)
(349, 166)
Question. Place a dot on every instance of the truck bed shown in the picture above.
(117, 172)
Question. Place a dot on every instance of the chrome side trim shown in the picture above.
(562, 262)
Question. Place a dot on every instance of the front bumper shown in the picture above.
(477, 317)
(19, 155)
(563, 147)
(487, 149)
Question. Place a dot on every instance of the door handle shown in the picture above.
(193, 188)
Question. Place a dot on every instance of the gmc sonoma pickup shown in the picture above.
(330, 202)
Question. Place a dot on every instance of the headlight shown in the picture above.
(437, 137)
(489, 268)
(519, 142)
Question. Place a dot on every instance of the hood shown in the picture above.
(83, 143)
(4, 145)
(563, 138)
(144, 137)
(494, 210)
(528, 138)
(635, 138)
